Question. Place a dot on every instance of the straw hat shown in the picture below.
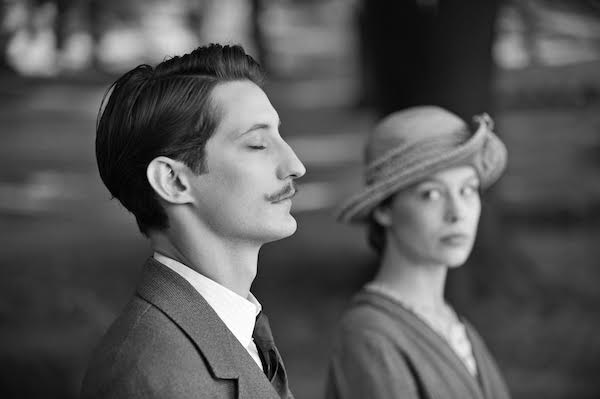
(409, 145)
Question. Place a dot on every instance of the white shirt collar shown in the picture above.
(238, 313)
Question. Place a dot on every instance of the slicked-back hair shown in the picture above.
(163, 111)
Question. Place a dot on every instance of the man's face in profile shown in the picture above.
(247, 191)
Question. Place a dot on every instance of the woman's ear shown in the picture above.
(168, 178)
(383, 214)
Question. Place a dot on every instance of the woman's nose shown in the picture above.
(455, 209)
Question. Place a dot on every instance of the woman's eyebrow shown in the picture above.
(470, 178)
(429, 180)
(434, 180)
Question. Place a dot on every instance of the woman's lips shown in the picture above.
(456, 239)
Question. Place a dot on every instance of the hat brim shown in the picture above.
(484, 151)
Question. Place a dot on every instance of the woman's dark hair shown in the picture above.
(375, 231)
(163, 111)
(376, 236)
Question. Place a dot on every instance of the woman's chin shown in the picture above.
(456, 259)
(455, 265)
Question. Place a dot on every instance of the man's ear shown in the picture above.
(168, 178)
(383, 215)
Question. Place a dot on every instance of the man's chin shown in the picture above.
(283, 230)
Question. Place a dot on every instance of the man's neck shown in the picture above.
(229, 263)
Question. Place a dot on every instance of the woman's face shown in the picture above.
(434, 222)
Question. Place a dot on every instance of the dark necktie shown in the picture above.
(270, 357)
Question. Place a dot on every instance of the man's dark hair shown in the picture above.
(163, 111)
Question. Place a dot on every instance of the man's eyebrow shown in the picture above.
(259, 126)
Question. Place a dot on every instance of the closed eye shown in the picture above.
(257, 147)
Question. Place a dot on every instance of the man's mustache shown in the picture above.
(287, 192)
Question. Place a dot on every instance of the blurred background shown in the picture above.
(70, 257)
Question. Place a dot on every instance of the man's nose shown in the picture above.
(290, 165)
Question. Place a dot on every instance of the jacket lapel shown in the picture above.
(226, 357)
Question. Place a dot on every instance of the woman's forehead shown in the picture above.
(454, 174)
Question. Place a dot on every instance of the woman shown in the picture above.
(400, 339)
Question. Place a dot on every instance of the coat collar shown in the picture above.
(225, 356)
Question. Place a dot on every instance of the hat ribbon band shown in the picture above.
(421, 153)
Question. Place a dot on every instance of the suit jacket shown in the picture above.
(169, 343)
(385, 351)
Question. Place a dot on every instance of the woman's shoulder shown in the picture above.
(370, 315)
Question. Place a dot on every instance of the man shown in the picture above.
(192, 149)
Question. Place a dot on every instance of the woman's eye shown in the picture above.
(431, 195)
(470, 190)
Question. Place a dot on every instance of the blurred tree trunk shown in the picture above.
(94, 14)
(62, 24)
(436, 52)
(429, 52)
(4, 39)
(258, 35)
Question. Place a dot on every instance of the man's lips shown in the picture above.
(285, 193)
(284, 197)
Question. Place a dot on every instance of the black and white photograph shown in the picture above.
(299, 199)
